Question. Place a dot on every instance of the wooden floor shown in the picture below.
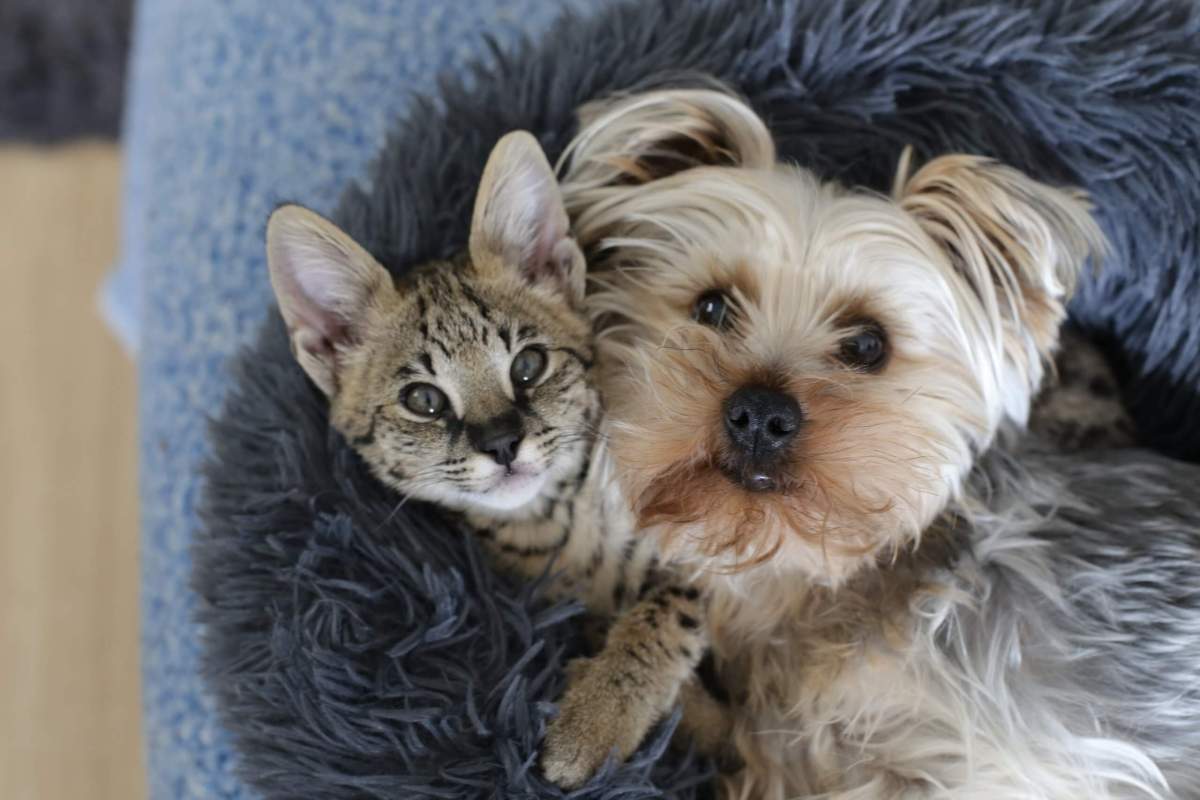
(69, 704)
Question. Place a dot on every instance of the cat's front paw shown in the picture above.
(615, 697)
(596, 720)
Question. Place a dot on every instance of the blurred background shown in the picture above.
(69, 697)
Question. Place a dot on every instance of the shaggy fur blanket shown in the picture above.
(358, 649)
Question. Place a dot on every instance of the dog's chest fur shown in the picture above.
(823, 679)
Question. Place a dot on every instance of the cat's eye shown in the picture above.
(866, 349)
(527, 367)
(424, 400)
(712, 309)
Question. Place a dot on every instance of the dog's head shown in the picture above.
(800, 373)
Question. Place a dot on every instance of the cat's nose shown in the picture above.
(502, 447)
(499, 437)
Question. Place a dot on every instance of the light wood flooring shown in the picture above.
(69, 703)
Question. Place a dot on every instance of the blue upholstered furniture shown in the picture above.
(236, 105)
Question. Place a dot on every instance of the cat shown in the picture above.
(472, 384)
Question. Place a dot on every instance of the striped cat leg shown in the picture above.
(614, 698)
(708, 723)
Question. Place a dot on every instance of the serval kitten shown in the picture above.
(471, 384)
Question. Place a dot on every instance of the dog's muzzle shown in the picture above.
(760, 424)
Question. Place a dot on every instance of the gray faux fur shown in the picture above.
(361, 651)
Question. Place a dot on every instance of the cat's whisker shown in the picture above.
(403, 502)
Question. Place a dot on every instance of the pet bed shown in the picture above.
(360, 649)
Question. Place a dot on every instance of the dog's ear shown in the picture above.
(1020, 245)
(520, 222)
(637, 138)
(324, 282)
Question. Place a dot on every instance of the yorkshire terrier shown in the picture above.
(804, 384)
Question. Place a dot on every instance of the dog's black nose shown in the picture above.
(499, 437)
(760, 422)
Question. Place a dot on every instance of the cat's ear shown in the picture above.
(324, 282)
(520, 223)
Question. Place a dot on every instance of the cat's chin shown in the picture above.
(511, 492)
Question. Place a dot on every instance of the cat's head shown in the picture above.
(465, 383)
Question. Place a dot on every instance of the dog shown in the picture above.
(815, 397)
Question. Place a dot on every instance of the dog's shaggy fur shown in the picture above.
(1032, 653)
(886, 621)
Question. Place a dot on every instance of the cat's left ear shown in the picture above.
(520, 223)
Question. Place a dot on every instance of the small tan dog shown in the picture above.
(803, 382)
(877, 345)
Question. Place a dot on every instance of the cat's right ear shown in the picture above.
(519, 223)
(324, 282)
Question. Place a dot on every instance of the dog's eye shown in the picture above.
(424, 400)
(712, 309)
(527, 367)
(866, 349)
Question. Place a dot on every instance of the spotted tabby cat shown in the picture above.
(470, 384)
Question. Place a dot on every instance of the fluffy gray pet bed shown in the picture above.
(360, 651)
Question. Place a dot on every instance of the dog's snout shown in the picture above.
(760, 421)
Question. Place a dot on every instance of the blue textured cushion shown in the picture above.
(234, 107)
